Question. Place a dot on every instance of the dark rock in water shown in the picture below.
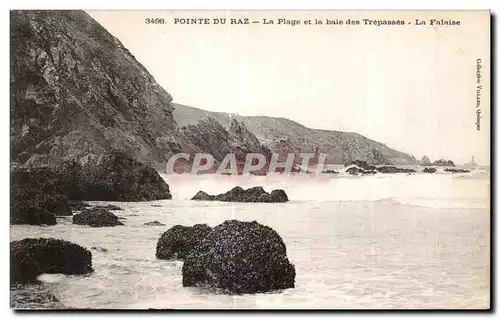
(359, 171)
(23, 214)
(154, 205)
(330, 171)
(37, 195)
(38, 191)
(78, 205)
(239, 257)
(429, 170)
(201, 195)
(442, 162)
(394, 169)
(154, 223)
(278, 196)
(101, 249)
(178, 241)
(32, 257)
(237, 194)
(33, 296)
(361, 164)
(456, 170)
(118, 177)
(109, 207)
(96, 217)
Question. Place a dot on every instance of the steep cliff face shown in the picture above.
(282, 135)
(77, 92)
(209, 136)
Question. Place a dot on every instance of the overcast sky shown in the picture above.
(410, 87)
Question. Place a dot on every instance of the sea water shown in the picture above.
(384, 241)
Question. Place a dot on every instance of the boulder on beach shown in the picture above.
(117, 176)
(255, 194)
(239, 257)
(96, 217)
(32, 257)
(394, 169)
(429, 170)
(177, 242)
(154, 223)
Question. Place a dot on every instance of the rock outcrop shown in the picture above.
(237, 194)
(96, 217)
(239, 257)
(154, 223)
(394, 169)
(177, 242)
(361, 164)
(37, 192)
(354, 170)
(425, 161)
(429, 170)
(32, 257)
(118, 177)
(456, 170)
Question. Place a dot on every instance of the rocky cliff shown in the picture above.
(76, 91)
(282, 135)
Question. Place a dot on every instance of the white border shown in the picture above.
(493, 5)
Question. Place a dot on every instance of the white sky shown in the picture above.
(410, 87)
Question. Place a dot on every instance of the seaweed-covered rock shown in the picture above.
(394, 169)
(37, 195)
(96, 217)
(239, 257)
(429, 170)
(154, 223)
(178, 241)
(32, 257)
(237, 194)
